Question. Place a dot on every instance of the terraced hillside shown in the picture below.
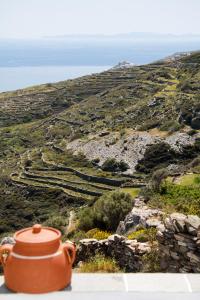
(50, 99)
(80, 183)
(68, 140)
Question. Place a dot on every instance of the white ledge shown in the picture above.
(142, 286)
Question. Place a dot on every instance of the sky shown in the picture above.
(39, 18)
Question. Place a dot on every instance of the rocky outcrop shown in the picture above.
(179, 243)
(130, 148)
(140, 216)
(127, 253)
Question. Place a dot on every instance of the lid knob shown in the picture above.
(37, 228)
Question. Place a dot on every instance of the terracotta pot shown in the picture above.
(38, 262)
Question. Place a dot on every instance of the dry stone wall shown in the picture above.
(127, 253)
(179, 243)
(177, 246)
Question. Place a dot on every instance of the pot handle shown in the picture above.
(4, 253)
(70, 251)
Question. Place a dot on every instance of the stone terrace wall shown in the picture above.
(178, 246)
(127, 253)
(179, 243)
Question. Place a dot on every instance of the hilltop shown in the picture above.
(64, 145)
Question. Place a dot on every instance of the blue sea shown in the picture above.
(25, 63)
(13, 78)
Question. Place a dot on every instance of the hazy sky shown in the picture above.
(37, 18)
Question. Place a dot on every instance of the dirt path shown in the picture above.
(71, 224)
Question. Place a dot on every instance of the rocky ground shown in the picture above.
(130, 147)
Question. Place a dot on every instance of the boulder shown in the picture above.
(7, 240)
(193, 224)
(178, 222)
(140, 216)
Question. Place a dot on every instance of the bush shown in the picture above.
(149, 125)
(151, 261)
(185, 199)
(138, 235)
(56, 222)
(171, 126)
(123, 166)
(197, 180)
(157, 179)
(184, 86)
(95, 161)
(155, 155)
(75, 236)
(98, 234)
(107, 211)
(112, 165)
(195, 162)
(86, 218)
(143, 235)
(101, 264)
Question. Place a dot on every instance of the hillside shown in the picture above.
(64, 145)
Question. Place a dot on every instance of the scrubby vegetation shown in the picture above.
(42, 180)
(156, 155)
(21, 207)
(97, 234)
(100, 264)
(174, 197)
(114, 166)
(143, 235)
(106, 212)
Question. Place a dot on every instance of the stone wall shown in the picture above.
(179, 243)
(127, 253)
(177, 248)
(141, 216)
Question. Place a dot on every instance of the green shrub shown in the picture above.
(143, 235)
(197, 180)
(181, 198)
(95, 161)
(149, 125)
(100, 264)
(155, 156)
(151, 261)
(86, 218)
(171, 126)
(137, 235)
(112, 165)
(98, 234)
(57, 222)
(157, 178)
(184, 86)
(107, 211)
(76, 236)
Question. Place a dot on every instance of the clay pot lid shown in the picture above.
(37, 235)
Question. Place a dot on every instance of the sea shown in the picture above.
(26, 63)
(13, 78)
